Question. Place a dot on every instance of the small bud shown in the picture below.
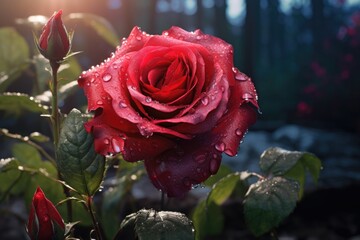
(54, 42)
(43, 217)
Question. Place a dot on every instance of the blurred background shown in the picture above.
(303, 56)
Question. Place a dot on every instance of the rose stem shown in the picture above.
(95, 223)
(162, 203)
(55, 120)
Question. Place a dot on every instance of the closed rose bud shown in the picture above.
(54, 43)
(43, 217)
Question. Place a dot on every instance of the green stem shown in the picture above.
(93, 218)
(54, 103)
(55, 120)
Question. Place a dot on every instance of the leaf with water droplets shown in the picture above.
(16, 103)
(268, 202)
(81, 167)
(153, 225)
(290, 164)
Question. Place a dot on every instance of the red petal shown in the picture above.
(178, 169)
(133, 148)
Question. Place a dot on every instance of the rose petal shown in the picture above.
(133, 148)
(177, 170)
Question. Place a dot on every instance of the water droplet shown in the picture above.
(148, 99)
(205, 100)
(122, 104)
(116, 145)
(139, 38)
(107, 77)
(88, 84)
(106, 141)
(92, 79)
(229, 152)
(238, 132)
(239, 75)
(220, 146)
(99, 102)
(166, 33)
(199, 158)
(214, 165)
(247, 96)
(198, 37)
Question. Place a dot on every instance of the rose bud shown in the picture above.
(43, 215)
(175, 101)
(54, 42)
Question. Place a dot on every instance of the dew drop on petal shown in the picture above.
(148, 99)
(229, 152)
(247, 96)
(139, 38)
(205, 100)
(99, 102)
(106, 141)
(220, 146)
(238, 132)
(122, 104)
(107, 77)
(116, 145)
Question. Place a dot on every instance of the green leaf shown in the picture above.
(208, 220)
(152, 225)
(38, 137)
(69, 71)
(16, 103)
(222, 172)
(268, 202)
(278, 161)
(14, 56)
(291, 164)
(27, 155)
(81, 167)
(64, 91)
(222, 190)
(8, 164)
(101, 26)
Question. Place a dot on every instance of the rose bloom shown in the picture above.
(173, 100)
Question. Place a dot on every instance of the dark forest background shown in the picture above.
(303, 55)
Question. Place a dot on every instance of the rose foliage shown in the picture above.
(175, 101)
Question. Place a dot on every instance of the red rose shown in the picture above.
(173, 100)
(43, 215)
(54, 43)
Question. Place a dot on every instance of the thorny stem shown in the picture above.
(95, 222)
(55, 120)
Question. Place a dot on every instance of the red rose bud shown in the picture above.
(42, 216)
(175, 101)
(54, 43)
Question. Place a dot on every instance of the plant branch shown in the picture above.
(93, 218)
